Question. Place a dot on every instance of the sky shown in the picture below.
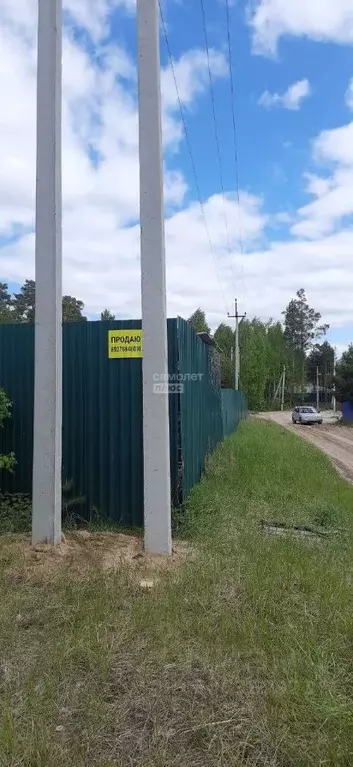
(279, 219)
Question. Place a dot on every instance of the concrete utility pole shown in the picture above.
(283, 387)
(237, 317)
(157, 501)
(46, 522)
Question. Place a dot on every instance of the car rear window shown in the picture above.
(307, 410)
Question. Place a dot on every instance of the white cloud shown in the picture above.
(349, 95)
(99, 117)
(317, 185)
(340, 348)
(100, 200)
(336, 146)
(334, 192)
(325, 20)
(292, 98)
(191, 72)
(93, 15)
(101, 237)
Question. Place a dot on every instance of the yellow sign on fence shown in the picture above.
(125, 344)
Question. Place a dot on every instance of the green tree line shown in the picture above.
(344, 376)
(20, 307)
(266, 348)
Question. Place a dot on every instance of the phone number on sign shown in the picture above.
(125, 349)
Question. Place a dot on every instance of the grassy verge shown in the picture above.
(242, 657)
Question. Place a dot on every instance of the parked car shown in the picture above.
(306, 415)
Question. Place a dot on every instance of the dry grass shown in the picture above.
(239, 656)
(83, 551)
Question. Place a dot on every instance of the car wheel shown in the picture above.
(300, 421)
(293, 421)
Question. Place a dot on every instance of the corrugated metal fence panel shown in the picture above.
(174, 413)
(200, 406)
(102, 422)
(17, 379)
(102, 417)
(234, 408)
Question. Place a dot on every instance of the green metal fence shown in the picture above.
(200, 409)
(102, 415)
(234, 408)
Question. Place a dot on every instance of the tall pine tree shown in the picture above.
(199, 322)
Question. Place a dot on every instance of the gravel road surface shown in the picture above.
(336, 441)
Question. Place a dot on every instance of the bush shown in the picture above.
(16, 510)
(15, 513)
(7, 462)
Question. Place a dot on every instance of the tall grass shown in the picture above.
(242, 657)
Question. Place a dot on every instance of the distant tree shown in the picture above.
(322, 356)
(227, 372)
(254, 362)
(24, 302)
(6, 309)
(72, 310)
(344, 376)
(263, 355)
(301, 328)
(23, 305)
(301, 323)
(277, 348)
(107, 316)
(279, 357)
(224, 338)
(198, 321)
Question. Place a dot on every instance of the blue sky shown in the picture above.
(292, 65)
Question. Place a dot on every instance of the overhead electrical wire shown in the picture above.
(192, 161)
(213, 103)
(235, 134)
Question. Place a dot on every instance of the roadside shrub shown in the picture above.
(7, 462)
(16, 510)
(15, 513)
(71, 505)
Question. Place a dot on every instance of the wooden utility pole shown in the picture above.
(283, 387)
(275, 396)
(334, 403)
(317, 389)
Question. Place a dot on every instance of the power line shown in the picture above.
(192, 161)
(235, 135)
(216, 132)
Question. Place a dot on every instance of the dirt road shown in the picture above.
(335, 441)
